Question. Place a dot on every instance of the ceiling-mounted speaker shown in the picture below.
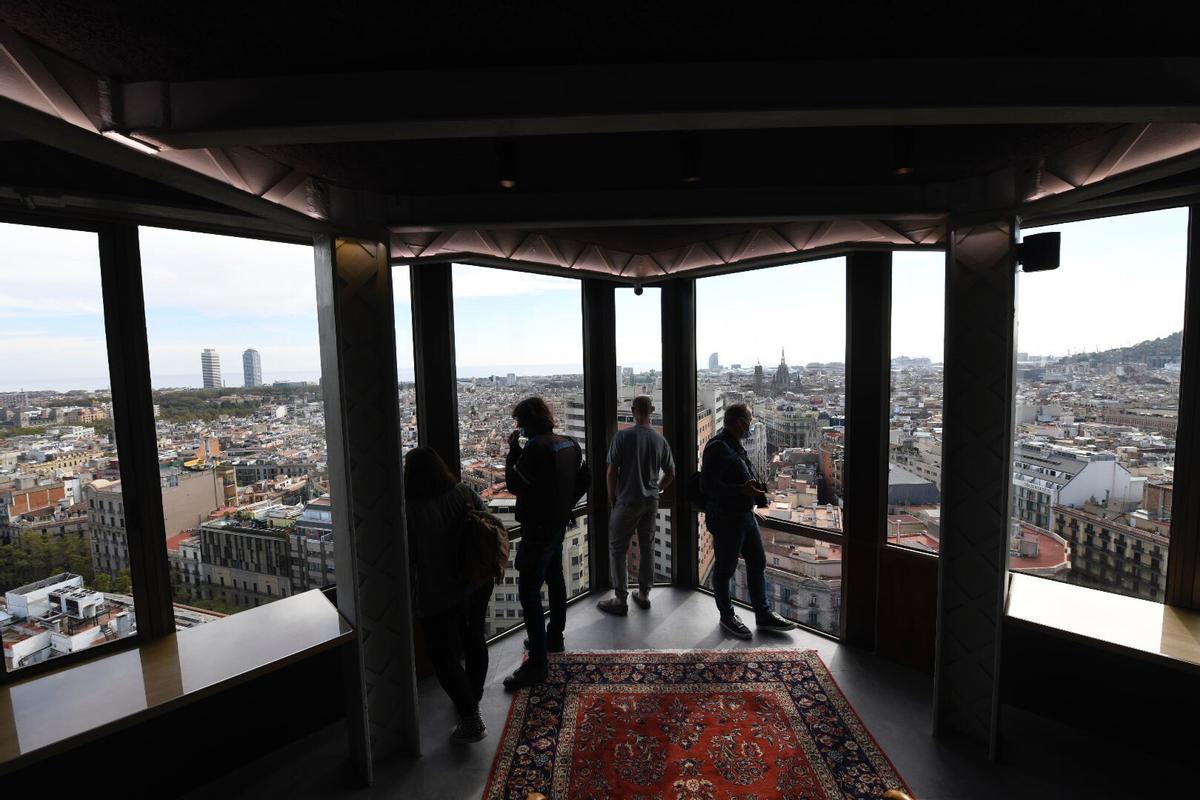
(1039, 252)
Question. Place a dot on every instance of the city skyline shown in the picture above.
(241, 290)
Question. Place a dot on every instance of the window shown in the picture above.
(915, 411)
(517, 335)
(744, 322)
(61, 596)
(236, 369)
(639, 371)
(405, 356)
(1099, 345)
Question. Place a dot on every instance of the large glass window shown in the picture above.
(406, 374)
(1097, 404)
(796, 440)
(236, 370)
(517, 335)
(639, 372)
(64, 556)
(915, 410)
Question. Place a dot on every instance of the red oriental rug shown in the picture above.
(700, 725)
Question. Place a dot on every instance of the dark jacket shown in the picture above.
(434, 528)
(548, 476)
(723, 471)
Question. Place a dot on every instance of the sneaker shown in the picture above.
(469, 729)
(553, 645)
(773, 622)
(613, 606)
(525, 675)
(735, 627)
(643, 601)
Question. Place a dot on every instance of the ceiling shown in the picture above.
(671, 139)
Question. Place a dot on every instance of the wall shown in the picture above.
(238, 725)
(187, 505)
(1138, 702)
(907, 617)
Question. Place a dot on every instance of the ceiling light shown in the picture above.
(904, 141)
(129, 141)
(506, 163)
(690, 147)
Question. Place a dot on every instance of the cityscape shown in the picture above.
(248, 517)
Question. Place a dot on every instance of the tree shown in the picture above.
(123, 583)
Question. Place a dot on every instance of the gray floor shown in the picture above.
(1040, 759)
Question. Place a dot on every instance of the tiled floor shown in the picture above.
(1040, 759)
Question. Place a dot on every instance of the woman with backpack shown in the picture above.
(451, 610)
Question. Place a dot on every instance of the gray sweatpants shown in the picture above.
(625, 520)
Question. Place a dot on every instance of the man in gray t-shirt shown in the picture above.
(640, 466)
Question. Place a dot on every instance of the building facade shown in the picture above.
(251, 368)
(1111, 554)
(210, 368)
(1046, 476)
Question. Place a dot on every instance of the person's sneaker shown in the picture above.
(735, 627)
(526, 675)
(613, 606)
(552, 645)
(773, 622)
(469, 729)
(643, 602)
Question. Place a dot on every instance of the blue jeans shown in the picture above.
(538, 561)
(733, 535)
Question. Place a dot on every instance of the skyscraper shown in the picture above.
(251, 368)
(210, 368)
(713, 361)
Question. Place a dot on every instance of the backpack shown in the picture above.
(694, 494)
(692, 489)
(483, 549)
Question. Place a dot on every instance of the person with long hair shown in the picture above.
(451, 613)
(548, 476)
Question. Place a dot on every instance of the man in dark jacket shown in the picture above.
(729, 483)
(548, 475)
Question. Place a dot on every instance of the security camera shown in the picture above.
(637, 287)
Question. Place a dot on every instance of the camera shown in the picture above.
(760, 500)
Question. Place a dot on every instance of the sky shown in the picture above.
(1121, 281)
(201, 290)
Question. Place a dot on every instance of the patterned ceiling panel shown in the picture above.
(753, 244)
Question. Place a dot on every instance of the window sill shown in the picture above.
(1161, 632)
(56, 712)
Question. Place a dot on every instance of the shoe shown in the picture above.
(552, 645)
(613, 606)
(524, 676)
(735, 627)
(773, 622)
(643, 601)
(469, 729)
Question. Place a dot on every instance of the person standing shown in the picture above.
(451, 613)
(548, 476)
(640, 468)
(727, 480)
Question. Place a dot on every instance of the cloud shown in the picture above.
(472, 281)
(224, 276)
(48, 272)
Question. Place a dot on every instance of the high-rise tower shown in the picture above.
(210, 368)
(251, 368)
